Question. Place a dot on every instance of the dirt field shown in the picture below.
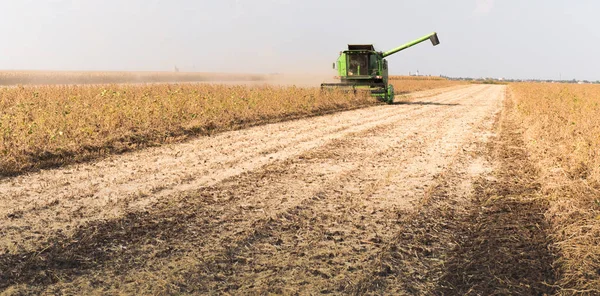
(378, 200)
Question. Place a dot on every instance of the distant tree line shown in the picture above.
(500, 80)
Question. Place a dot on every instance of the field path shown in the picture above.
(297, 206)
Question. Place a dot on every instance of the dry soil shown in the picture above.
(305, 206)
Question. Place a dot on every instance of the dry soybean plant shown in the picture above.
(562, 124)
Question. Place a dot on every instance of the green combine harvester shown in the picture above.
(361, 67)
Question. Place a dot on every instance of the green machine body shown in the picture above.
(361, 67)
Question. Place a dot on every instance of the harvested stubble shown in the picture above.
(48, 126)
(563, 134)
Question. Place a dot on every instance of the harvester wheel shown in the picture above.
(390, 94)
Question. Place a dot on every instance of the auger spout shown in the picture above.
(433, 37)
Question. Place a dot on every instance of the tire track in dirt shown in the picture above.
(60, 200)
(414, 260)
(240, 222)
(269, 231)
(503, 246)
(488, 239)
(330, 241)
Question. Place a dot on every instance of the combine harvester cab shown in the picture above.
(361, 67)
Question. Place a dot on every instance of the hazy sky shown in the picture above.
(479, 38)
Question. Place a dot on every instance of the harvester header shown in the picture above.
(362, 67)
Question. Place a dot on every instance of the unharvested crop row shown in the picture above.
(563, 133)
(47, 126)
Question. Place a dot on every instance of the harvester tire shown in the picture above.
(390, 94)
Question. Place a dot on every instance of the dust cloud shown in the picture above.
(11, 78)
